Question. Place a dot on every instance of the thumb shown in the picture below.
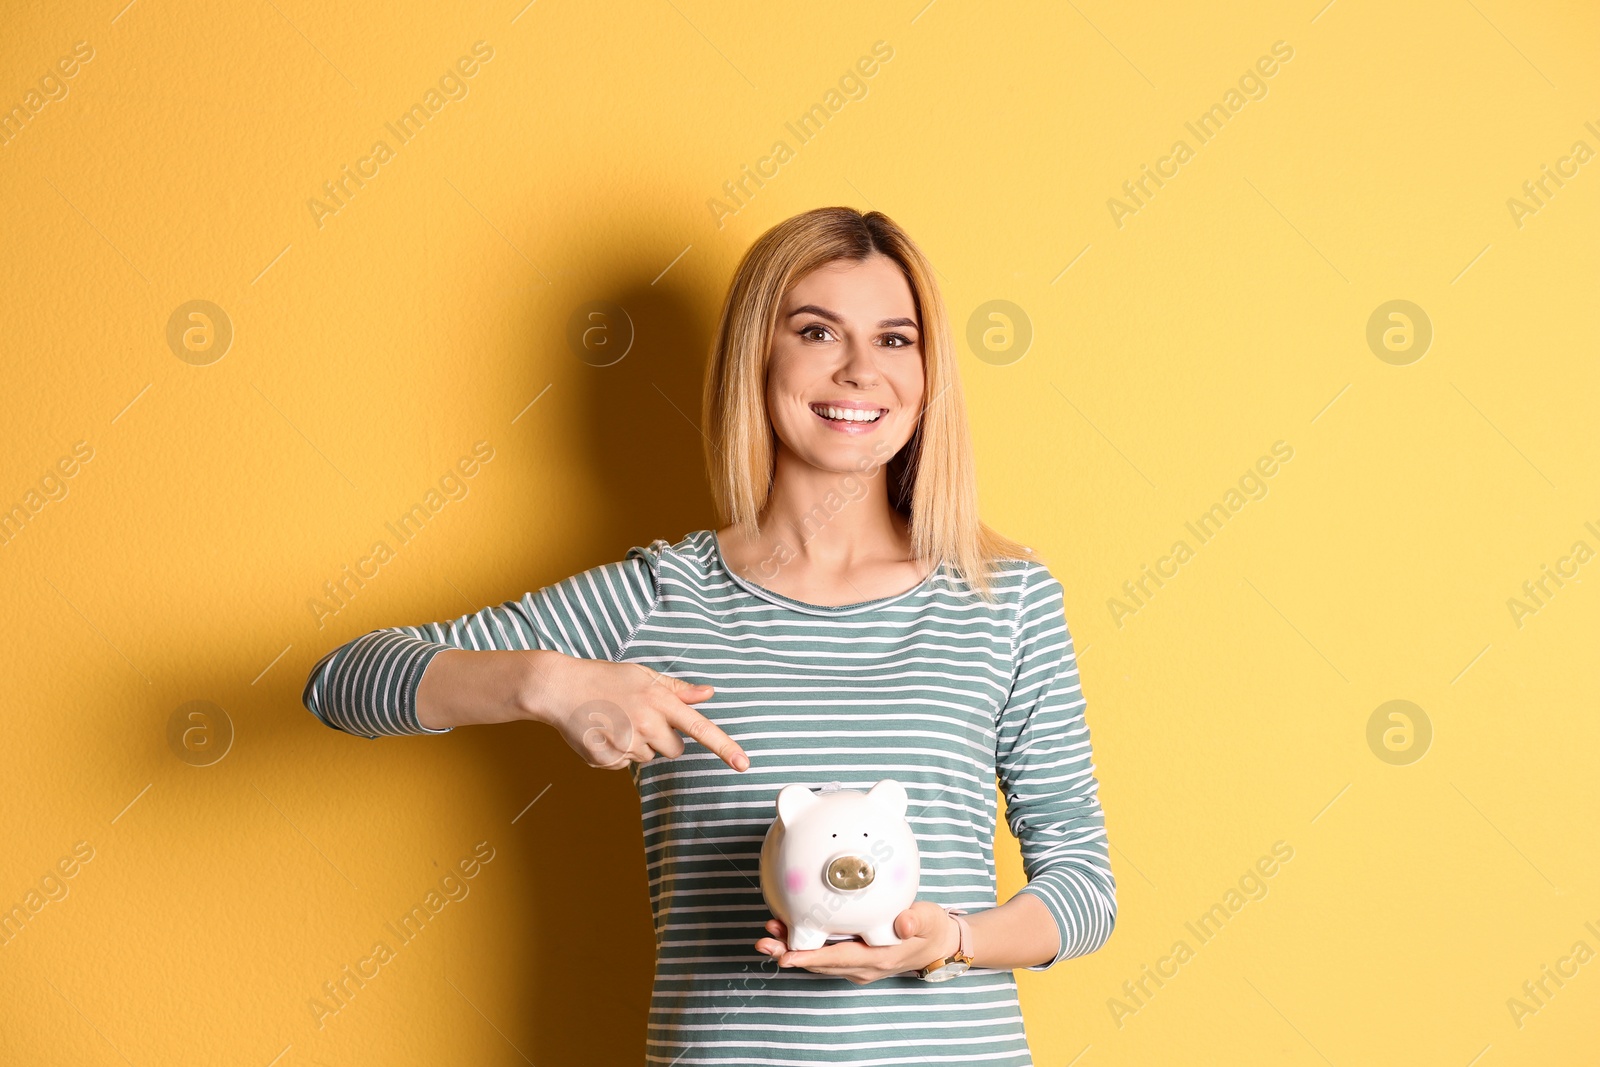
(909, 924)
(682, 687)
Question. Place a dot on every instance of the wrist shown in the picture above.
(544, 674)
(949, 941)
(958, 959)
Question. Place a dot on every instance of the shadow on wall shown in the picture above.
(577, 945)
(587, 960)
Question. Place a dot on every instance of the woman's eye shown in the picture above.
(809, 332)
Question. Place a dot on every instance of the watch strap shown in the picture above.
(962, 953)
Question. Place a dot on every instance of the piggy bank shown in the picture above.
(840, 862)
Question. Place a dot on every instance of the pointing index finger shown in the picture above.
(709, 734)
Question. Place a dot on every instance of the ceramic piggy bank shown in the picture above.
(840, 862)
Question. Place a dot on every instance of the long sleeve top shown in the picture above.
(935, 687)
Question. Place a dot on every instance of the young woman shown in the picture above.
(852, 621)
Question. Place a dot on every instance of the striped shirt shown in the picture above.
(934, 687)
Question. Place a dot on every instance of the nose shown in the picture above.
(860, 367)
(850, 872)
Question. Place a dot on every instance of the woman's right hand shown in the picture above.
(613, 714)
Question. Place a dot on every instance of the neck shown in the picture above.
(832, 518)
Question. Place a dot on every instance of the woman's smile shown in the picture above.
(849, 416)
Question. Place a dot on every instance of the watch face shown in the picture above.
(948, 971)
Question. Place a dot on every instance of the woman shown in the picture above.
(853, 621)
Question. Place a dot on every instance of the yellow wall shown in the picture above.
(1172, 348)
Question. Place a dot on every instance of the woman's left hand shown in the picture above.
(928, 932)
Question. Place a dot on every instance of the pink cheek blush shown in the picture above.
(897, 874)
(794, 879)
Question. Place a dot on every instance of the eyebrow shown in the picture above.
(831, 316)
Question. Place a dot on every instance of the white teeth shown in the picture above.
(847, 414)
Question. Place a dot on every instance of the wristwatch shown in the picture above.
(946, 967)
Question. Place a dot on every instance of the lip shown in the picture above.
(854, 428)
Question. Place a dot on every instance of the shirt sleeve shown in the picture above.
(1046, 771)
(368, 686)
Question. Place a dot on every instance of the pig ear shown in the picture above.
(891, 796)
(792, 800)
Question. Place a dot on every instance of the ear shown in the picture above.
(792, 800)
(891, 796)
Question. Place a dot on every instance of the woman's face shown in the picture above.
(847, 343)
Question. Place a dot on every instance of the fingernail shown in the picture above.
(741, 762)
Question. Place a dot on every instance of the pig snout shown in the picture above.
(850, 872)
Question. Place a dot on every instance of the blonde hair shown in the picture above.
(932, 480)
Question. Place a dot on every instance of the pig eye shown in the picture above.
(835, 835)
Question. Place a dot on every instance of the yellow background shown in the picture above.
(370, 353)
